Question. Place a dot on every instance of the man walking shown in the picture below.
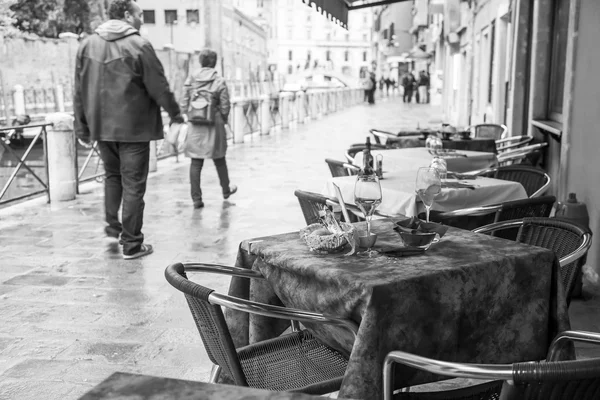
(120, 87)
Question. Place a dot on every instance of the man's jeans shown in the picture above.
(196, 170)
(126, 166)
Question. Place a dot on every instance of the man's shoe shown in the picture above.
(232, 190)
(144, 250)
(112, 244)
(198, 204)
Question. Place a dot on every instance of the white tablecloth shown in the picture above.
(399, 197)
(414, 158)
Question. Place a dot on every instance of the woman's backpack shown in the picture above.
(202, 108)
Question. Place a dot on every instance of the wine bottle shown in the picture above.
(368, 161)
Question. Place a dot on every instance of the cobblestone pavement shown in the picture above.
(72, 314)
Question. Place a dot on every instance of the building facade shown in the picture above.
(302, 40)
(528, 64)
(392, 39)
(191, 25)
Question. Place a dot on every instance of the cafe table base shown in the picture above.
(469, 298)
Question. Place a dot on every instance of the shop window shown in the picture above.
(149, 17)
(560, 32)
(170, 17)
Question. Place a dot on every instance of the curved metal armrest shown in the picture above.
(577, 336)
(513, 139)
(444, 368)
(349, 158)
(498, 226)
(268, 310)
(351, 167)
(522, 151)
(254, 307)
(545, 186)
(579, 252)
(473, 211)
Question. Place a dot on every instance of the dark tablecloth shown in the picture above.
(124, 386)
(469, 298)
(485, 145)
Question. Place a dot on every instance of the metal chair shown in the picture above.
(489, 131)
(535, 181)
(512, 143)
(568, 240)
(381, 137)
(311, 203)
(517, 156)
(340, 168)
(475, 217)
(549, 380)
(295, 362)
(358, 147)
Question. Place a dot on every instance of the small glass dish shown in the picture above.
(418, 240)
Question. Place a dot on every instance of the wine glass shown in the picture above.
(428, 185)
(367, 196)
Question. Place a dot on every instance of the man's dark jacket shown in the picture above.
(120, 86)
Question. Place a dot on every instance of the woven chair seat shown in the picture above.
(293, 362)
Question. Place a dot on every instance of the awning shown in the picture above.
(337, 10)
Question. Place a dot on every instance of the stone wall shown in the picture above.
(36, 62)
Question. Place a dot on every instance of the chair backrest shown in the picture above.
(519, 209)
(534, 180)
(358, 147)
(341, 168)
(490, 131)
(563, 237)
(531, 153)
(310, 203)
(512, 143)
(210, 322)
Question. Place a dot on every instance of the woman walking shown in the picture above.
(206, 104)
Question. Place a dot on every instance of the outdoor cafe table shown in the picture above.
(475, 144)
(413, 159)
(470, 298)
(126, 386)
(398, 194)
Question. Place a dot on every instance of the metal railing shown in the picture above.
(5, 148)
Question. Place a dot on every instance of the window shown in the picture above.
(328, 55)
(193, 16)
(346, 55)
(149, 17)
(170, 17)
(347, 37)
(308, 55)
(365, 37)
(290, 55)
(308, 33)
(557, 61)
(328, 36)
(491, 73)
(365, 19)
(260, 3)
(364, 56)
(385, 33)
(290, 69)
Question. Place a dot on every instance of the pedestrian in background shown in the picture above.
(423, 86)
(206, 103)
(408, 81)
(120, 87)
(371, 93)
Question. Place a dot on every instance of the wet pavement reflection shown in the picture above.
(72, 313)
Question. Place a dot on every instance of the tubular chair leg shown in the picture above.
(296, 326)
(214, 374)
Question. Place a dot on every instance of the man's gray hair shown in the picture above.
(208, 58)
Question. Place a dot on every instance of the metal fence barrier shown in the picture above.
(41, 136)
